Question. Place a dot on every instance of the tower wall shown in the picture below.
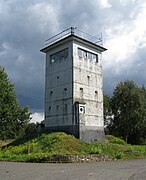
(88, 91)
(58, 90)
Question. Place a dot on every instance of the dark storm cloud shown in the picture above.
(24, 25)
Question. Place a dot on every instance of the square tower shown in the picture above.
(73, 85)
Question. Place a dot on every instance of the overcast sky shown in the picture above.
(25, 24)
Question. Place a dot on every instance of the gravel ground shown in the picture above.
(118, 170)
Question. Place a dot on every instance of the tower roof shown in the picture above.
(73, 34)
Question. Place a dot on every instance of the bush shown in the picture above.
(37, 157)
(95, 148)
(119, 155)
(115, 140)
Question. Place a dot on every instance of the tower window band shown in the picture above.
(59, 56)
(87, 55)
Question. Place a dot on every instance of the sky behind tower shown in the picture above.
(24, 25)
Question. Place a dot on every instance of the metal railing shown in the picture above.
(73, 31)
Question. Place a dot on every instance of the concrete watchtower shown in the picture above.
(73, 85)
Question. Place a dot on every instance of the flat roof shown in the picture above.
(73, 34)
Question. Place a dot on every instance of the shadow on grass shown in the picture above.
(23, 139)
(26, 137)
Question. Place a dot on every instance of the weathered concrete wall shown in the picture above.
(74, 91)
(58, 90)
(88, 90)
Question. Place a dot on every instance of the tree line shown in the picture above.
(125, 112)
(13, 118)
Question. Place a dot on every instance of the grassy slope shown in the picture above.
(59, 143)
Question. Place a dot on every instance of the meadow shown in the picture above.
(46, 146)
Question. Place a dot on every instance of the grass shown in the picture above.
(60, 144)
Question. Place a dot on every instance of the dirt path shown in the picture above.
(119, 170)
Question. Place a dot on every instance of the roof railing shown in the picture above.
(73, 31)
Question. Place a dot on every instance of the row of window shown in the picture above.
(65, 108)
(57, 107)
(59, 56)
(65, 89)
(81, 89)
(51, 92)
(63, 54)
(87, 55)
(88, 77)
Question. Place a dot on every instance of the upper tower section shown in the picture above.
(73, 34)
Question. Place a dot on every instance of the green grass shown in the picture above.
(59, 144)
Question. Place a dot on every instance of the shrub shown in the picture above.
(37, 157)
(95, 148)
(115, 140)
(118, 155)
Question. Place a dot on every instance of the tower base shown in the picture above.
(86, 134)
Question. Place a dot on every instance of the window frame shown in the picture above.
(59, 56)
(82, 53)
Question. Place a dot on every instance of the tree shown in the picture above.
(144, 124)
(107, 110)
(30, 129)
(13, 118)
(129, 110)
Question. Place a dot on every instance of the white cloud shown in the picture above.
(37, 117)
(125, 38)
(46, 15)
(105, 4)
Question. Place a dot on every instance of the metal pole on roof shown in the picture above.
(72, 30)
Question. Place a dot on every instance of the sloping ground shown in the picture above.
(60, 147)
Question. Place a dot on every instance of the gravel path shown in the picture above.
(118, 170)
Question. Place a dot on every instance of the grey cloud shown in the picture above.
(26, 24)
(135, 70)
